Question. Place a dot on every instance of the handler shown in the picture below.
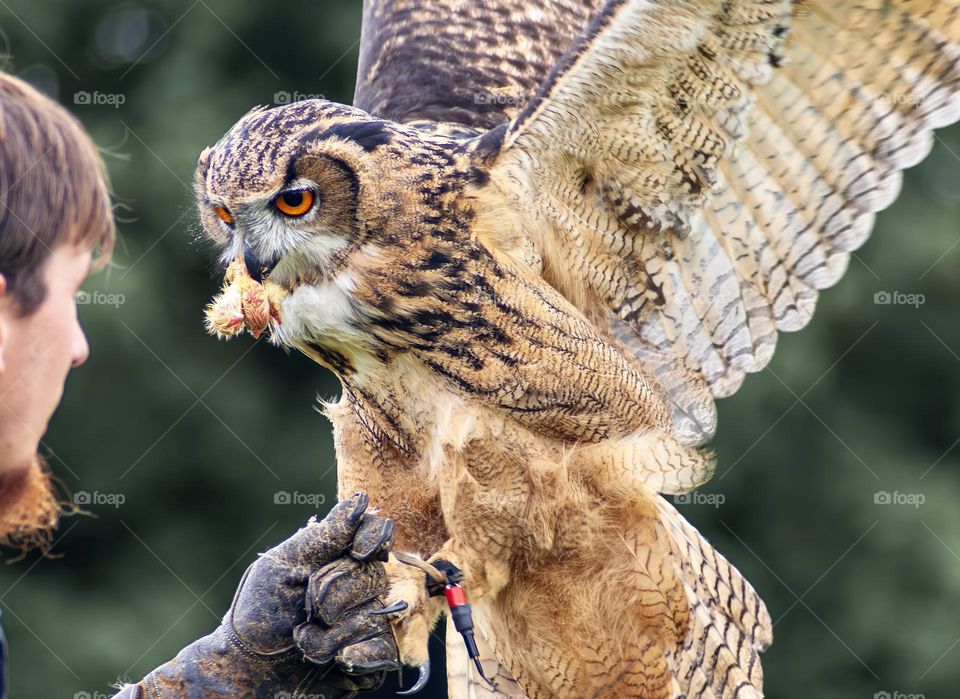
(301, 621)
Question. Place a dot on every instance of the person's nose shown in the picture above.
(80, 349)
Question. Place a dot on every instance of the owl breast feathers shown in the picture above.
(541, 244)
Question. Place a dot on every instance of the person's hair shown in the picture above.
(53, 190)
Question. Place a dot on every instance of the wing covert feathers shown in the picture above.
(471, 63)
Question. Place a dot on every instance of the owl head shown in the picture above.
(292, 179)
(336, 207)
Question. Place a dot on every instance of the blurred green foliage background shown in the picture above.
(197, 437)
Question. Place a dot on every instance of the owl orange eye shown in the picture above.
(296, 202)
(223, 215)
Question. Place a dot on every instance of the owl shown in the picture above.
(541, 244)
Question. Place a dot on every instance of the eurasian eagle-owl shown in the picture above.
(541, 244)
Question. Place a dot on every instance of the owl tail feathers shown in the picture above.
(729, 623)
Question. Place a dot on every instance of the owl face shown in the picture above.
(334, 206)
(282, 190)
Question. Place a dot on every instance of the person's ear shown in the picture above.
(6, 309)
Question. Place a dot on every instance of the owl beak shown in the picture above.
(255, 266)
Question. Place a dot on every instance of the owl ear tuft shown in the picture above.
(200, 174)
(255, 110)
(203, 162)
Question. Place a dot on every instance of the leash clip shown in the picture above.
(460, 610)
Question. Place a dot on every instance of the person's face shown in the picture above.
(36, 353)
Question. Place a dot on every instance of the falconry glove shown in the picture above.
(303, 620)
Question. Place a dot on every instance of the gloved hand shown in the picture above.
(303, 621)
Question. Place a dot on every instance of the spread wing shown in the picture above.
(462, 61)
(693, 172)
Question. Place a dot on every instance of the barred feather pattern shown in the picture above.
(720, 656)
(699, 170)
(686, 177)
(502, 51)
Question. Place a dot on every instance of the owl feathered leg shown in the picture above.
(590, 583)
(584, 581)
(643, 608)
(418, 612)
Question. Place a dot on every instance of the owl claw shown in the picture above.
(421, 680)
(395, 608)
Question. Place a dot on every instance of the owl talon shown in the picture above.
(421, 680)
(394, 608)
